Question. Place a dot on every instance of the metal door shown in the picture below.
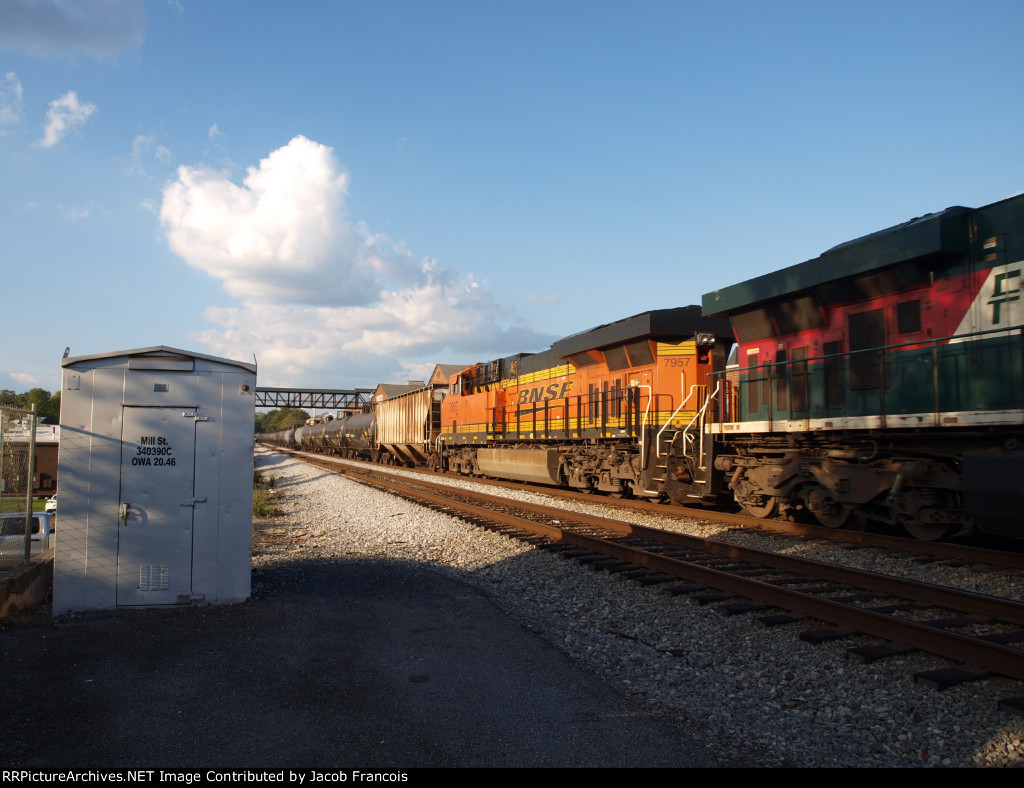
(154, 546)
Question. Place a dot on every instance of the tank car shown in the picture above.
(357, 438)
(880, 381)
(303, 438)
(597, 411)
(315, 436)
(282, 438)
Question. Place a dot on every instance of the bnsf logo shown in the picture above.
(540, 393)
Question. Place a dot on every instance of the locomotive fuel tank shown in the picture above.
(540, 466)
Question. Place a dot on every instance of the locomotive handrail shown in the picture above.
(643, 425)
(699, 417)
(700, 413)
(930, 342)
(882, 378)
(657, 445)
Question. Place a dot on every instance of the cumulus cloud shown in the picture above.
(65, 113)
(100, 28)
(11, 101)
(280, 237)
(320, 292)
(25, 378)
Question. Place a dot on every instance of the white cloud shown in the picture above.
(320, 294)
(65, 113)
(25, 378)
(100, 28)
(214, 132)
(11, 101)
(143, 148)
(281, 237)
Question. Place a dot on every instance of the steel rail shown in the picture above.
(996, 657)
(916, 547)
(943, 596)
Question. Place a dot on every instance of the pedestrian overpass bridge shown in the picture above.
(319, 399)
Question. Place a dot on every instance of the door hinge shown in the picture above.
(195, 416)
(193, 501)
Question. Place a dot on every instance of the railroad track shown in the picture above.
(919, 551)
(981, 634)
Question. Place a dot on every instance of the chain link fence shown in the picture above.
(22, 531)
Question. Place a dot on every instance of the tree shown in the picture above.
(47, 405)
(282, 419)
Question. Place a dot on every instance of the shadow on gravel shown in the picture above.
(266, 460)
(332, 663)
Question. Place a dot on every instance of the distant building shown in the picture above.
(442, 372)
(16, 443)
(438, 377)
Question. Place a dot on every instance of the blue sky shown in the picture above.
(354, 191)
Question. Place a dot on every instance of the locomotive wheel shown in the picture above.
(927, 532)
(826, 510)
(833, 516)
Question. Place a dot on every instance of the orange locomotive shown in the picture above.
(598, 411)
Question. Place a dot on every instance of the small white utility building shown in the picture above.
(156, 462)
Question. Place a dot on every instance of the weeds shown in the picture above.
(262, 498)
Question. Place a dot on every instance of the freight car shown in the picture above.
(352, 436)
(398, 430)
(880, 381)
(597, 411)
(408, 426)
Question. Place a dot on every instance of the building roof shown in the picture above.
(389, 390)
(443, 372)
(156, 350)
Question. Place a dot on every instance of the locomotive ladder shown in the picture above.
(667, 434)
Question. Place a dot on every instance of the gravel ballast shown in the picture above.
(764, 696)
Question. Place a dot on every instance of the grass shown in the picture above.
(17, 504)
(263, 496)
